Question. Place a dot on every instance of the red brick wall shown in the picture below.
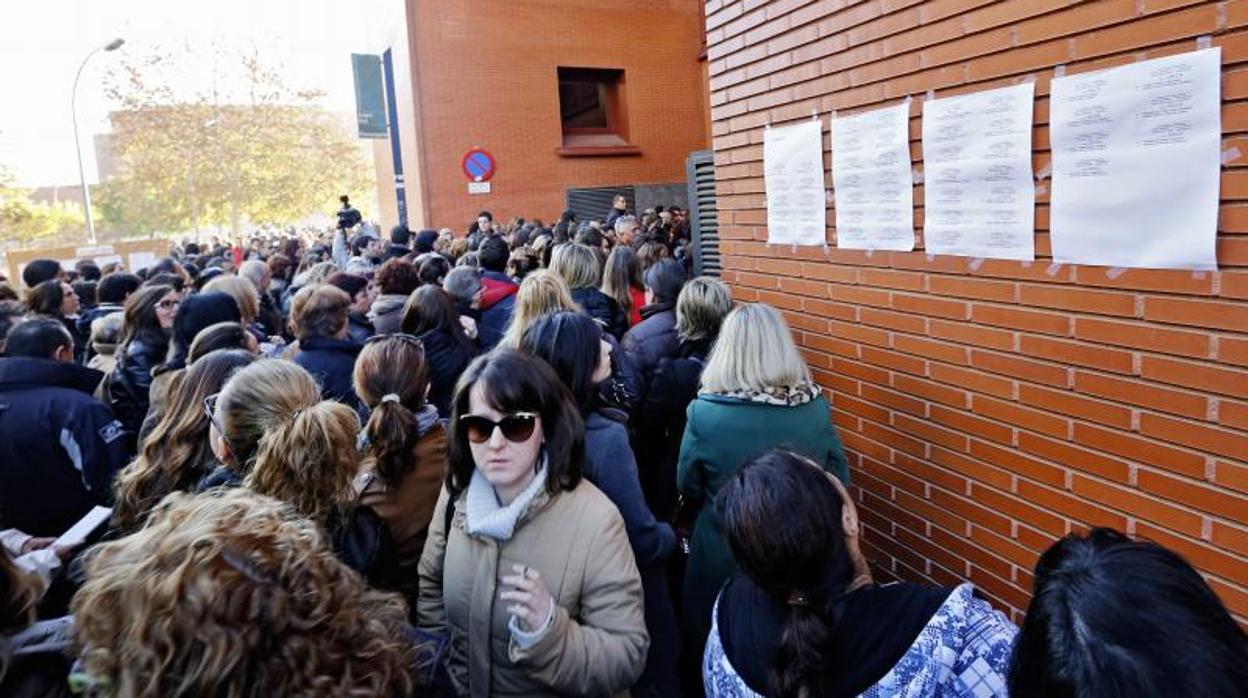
(487, 76)
(991, 409)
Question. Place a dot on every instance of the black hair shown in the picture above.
(12, 313)
(115, 287)
(39, 270)
(346, 200)
(665, 278)
(571, 343)
(191, 248)
(37, 338)
(359, 243)
(88, 270)
(487, 215)
(165, 278)
(1114, 617)
(493, 254)
(590, 236)
(513, 381)
(783, 521)
(434, 270)
(399, 235)
(88, 293)
(431, 309)
(166, 265)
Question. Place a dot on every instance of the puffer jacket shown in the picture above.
(649, 341)
(603, 309)
(596, 644)
(331, 362)
(387, 313)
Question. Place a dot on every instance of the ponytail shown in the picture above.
(804, 649)
(390, 431)
(308, 460)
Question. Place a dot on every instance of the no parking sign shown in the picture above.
(478, 165)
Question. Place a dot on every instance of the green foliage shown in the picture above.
(261, 151)
(23, 220)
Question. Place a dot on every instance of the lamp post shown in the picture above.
(73, 109)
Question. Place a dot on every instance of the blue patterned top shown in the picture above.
(962, 652)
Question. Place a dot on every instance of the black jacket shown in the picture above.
(446, 358)
(59, 447)
(660, 423)
(603, 309)
(362, 541)
(331, 362)
(131, 380)
(86, 317)
(359, 329)
(650, 340)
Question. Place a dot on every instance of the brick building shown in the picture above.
(563, 93)
(992, 407)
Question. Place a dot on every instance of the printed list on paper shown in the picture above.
(872, 179)
(1136, 164)
(980, 198)
(793, 177)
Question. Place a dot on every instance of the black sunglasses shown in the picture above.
(210, 409)
(517, 428)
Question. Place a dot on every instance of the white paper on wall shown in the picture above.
(139, 260)
(979, 192)
(793, 178)
(1136, 164)
(872, 179)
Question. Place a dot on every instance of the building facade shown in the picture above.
(991, 406)
(563, 94)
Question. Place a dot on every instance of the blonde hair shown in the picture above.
(308, 459)
(701, 307)
(230, 593)
(244, 293)
(540, 293)
(255, 399)
(577, 264)
(754, 352)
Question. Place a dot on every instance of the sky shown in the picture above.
(47, 39)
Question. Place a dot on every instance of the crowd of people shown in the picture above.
(526, 460)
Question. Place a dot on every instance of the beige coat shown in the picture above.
(596, 645)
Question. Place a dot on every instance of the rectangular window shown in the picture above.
(592, 114)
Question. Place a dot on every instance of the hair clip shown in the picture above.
(390, 397)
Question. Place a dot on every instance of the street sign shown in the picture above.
(478, 187)
(370, 110)
(478, 165)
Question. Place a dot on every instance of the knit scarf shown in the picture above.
(486, 516)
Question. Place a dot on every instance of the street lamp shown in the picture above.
(73, 109)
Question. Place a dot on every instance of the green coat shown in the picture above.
(721, 435)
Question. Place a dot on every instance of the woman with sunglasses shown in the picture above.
(150, 313)
(404, 445)
(176, 454)
(576, 346)
(528, 568)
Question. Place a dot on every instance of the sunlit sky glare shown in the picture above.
(45, 40)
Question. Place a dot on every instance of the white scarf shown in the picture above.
(485, 516)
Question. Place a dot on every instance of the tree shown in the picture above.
(23, 220)
(247, 146)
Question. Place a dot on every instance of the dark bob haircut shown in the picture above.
(571, 343)
(1111, 617)
(513, 381)
(665, 278)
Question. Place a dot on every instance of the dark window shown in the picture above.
(591, 110)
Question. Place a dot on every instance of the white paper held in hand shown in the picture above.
(78, 533)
